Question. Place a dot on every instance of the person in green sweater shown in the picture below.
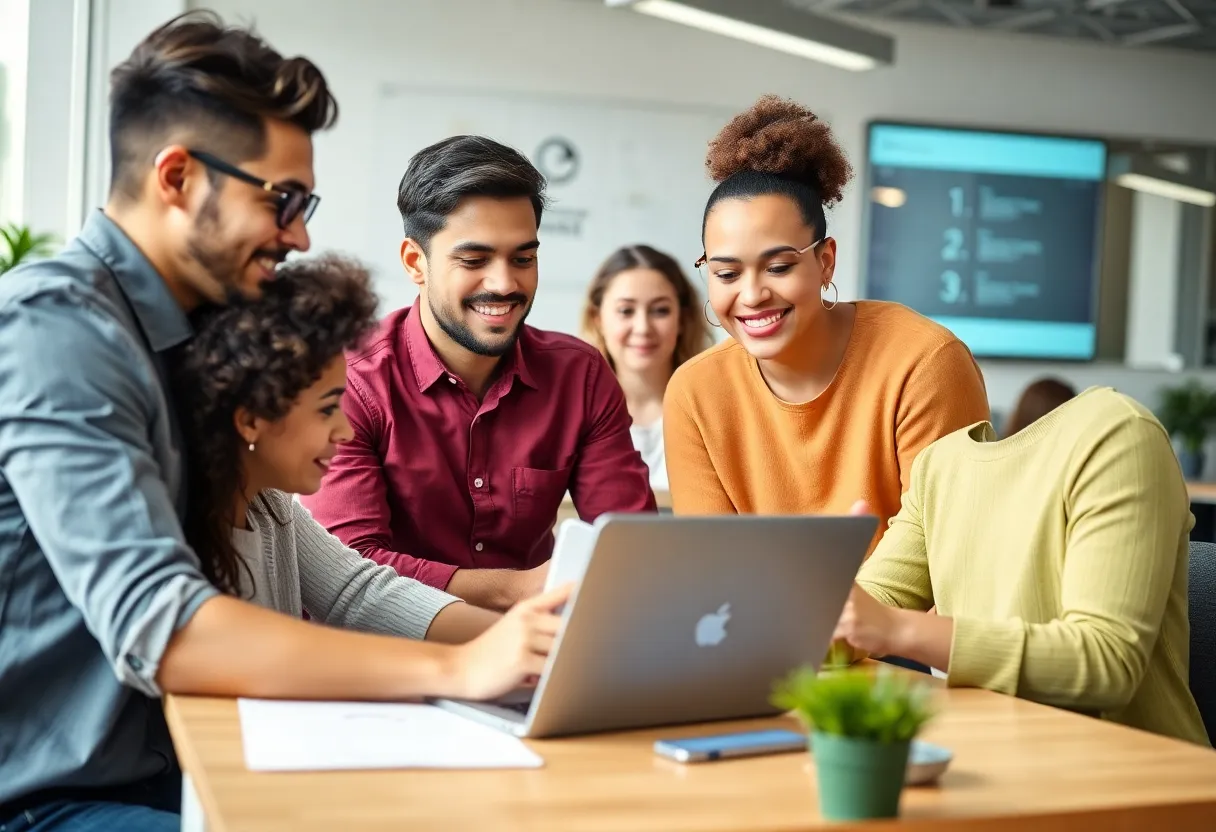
(1057, 563)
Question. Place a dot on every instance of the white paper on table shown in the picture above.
(324, 736)
(572, 548)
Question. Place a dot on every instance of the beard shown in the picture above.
(221, 263)
(456, 329)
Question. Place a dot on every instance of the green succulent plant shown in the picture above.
(880, 705)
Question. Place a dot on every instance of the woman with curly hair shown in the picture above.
(259, 390)
(813, 403)
(643, 315)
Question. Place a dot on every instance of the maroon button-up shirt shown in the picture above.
(435, 480)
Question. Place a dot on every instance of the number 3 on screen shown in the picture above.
(952, 287)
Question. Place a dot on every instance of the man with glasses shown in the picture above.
(103, 606)
(212, 174)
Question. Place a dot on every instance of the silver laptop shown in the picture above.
(687, 619)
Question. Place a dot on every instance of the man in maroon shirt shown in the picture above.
(469, 427)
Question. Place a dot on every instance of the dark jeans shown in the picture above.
(95, 816)
(150, 806)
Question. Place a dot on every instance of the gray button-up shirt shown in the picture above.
(95, 576)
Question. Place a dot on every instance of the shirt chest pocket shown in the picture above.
(537, 494)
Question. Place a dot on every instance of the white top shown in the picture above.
(648, 439)
(295, 565)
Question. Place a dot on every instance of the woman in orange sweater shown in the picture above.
(811, 404)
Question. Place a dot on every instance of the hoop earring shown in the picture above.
(706, 310)
(835, 298)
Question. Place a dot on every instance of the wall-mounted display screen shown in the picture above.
(994, 235)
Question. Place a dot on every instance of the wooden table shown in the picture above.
(1202, 492)
(1017, 766)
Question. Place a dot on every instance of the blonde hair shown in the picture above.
(694, 335)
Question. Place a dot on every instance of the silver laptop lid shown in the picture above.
(691, 619)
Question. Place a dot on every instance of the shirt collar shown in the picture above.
(164, 322)
(518, 365)
(428, 368)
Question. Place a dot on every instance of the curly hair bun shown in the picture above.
(782, 137)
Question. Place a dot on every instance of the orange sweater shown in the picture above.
(734, 447)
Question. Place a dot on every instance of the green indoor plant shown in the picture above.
(862, 722)
(1187, 412)
(18, 242)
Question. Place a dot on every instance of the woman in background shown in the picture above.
(1037, 400)
(643, 315)
(259, 390)
(812, 404)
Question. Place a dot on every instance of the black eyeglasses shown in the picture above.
(291, 202)
(701, 261)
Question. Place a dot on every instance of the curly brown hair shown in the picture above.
(781, 136)
(258, 355)
(778, 146)
(694, 335)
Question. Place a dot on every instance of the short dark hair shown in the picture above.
(440, 176)
(196, 80)
(259, 354)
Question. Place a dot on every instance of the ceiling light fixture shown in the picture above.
(1163, 187)
(775, 26)
(1137, 174)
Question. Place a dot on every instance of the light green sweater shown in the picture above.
(1061, 555)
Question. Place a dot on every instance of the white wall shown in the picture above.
(14, 63)
(1152, 282)
(580, 47)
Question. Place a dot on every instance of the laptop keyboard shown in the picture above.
(518, 707)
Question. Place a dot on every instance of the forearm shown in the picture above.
(1071, 662)
(490, 589)
(233, 648)
(922, 637)
(460, 623)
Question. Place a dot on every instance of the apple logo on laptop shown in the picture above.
(711, 629)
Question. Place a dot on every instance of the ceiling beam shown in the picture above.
(1094, 26)
(1026, 20)
(898, 7)
(1162, 33)
(1181, 10)
(949, 12)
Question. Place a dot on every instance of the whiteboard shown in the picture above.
(619, 173)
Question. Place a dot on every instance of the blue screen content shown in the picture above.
(736, 742)
(993, 235)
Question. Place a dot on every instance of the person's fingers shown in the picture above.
(552, 599)
(546, 623)
(534, 665)
(541, 644)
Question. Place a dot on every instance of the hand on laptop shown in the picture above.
(867, 624)
(511, 654)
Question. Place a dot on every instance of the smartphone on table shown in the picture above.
(726, 746)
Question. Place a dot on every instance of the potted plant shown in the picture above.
(1187, 412)
(18, 242)
(861, 724)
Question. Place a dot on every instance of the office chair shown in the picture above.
(1201, 592)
